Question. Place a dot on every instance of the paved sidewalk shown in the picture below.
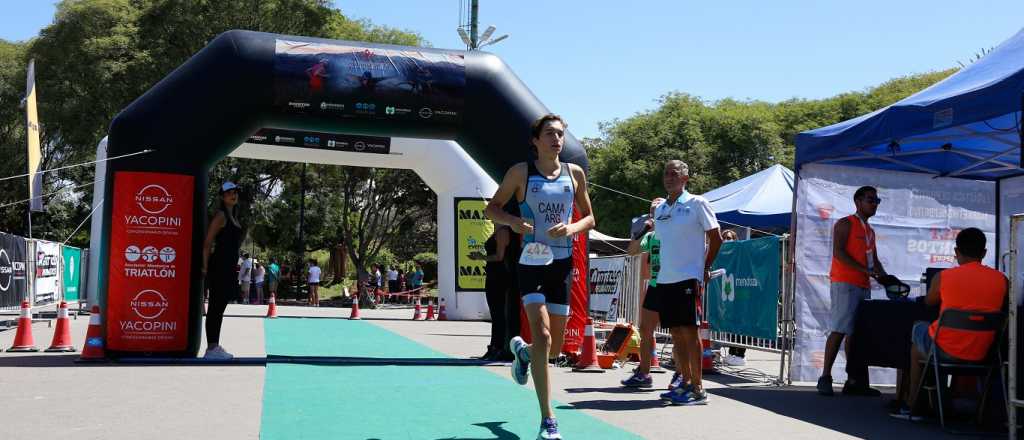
(47, 396)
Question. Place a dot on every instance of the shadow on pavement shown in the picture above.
(616, 405)
(862, 417)
(614, 390)
(496, 429)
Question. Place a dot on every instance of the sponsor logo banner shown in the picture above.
(47, 269)
(72, 263)
(13, 285)
(472, 229)
(606, 282)
(150, 245)
(321, 141)
(745, 299)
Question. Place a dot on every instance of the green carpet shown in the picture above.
(394, 402)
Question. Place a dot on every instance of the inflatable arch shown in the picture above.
(458, 119)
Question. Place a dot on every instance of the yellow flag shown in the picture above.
(35, 179)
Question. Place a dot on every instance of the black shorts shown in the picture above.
(551, 282)
(651, 298)
(678, 304)
(311, 283)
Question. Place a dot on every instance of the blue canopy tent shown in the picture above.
(967, 125)
(763, 200)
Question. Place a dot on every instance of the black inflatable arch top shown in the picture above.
(209, 106)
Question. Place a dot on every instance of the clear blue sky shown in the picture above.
(595, 61)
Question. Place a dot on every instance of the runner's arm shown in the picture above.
(506, 190)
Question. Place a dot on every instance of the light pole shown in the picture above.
(472, 38)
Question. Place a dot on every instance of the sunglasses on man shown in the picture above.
(872, 200)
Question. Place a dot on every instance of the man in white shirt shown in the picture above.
(245, 277)
(393, 280)
(313, 281)
(690, 237)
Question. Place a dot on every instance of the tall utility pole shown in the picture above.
(474, 15)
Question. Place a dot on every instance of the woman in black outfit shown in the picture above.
(225, 237)
(496, 288)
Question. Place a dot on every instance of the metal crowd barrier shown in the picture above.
(784, 317)
(629, 312)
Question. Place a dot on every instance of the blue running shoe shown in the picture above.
(521, 364)
(636, 380)
(690, 397)
(549, 430)
(682, 388)
(676, 382)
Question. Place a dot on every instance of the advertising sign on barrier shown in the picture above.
(745, 299)
(13, 285)
(150, 245)
(606, 277)
(47, 267)
(472, 229)
(71, 261)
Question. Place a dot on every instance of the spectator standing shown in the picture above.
(496, 285)
(273, 277)
(690, 239)
(245, 278)
(417, 277)
(259, 276)
(314, 283)
(220, 255)
(854, 262)
(393, 280)
(402, 285)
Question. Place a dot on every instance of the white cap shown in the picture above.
(227, 186)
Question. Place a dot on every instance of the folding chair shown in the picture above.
(943, 364)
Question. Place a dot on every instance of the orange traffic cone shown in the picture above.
(23, 340)
(355, 308)
(430, 311)
(272, 307)
(655, 362)
(93, 350)
(416, 316)
(588, 359)
(441, 315)
(62, 334)
(707, 361)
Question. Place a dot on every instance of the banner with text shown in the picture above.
(606, 282)
(150, 245)
(71, 261)
(13, 275)
(745, 299)
(472, 229)
(47, 267)
(915, 226)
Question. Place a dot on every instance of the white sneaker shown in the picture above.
(735, 361)
(218, 354)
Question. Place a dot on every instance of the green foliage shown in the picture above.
(99, 55)
(721, 141)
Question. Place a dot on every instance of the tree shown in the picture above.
(383, 206)
(99, 55)
(721, 141)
